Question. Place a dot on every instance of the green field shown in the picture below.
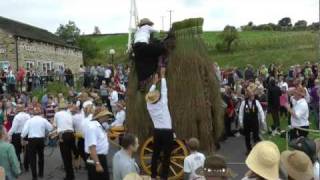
(252, 47)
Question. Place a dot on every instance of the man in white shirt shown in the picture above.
(107, 75)
(97, 145)
(113, 97)
(36, 128)
(146, 53)
(63, 121)
(250, 113)
(120, 116)
(299, 113)
(17, 125)
(194, 161)
(157, 105)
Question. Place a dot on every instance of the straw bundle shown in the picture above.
(193, 92)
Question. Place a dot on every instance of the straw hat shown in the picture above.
(153, 96)
(264, 160)
(297, 164)
(101, 112)
(145, 21)
(305, 145)
(215, 166)
(132, 176)
(20, 108)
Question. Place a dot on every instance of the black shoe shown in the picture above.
(40, 176)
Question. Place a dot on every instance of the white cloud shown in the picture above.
(113, 15)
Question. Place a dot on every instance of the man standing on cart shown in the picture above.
(157, 105)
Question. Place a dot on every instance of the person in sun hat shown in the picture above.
(263, 162)
(146, 52)
(215, 168)
(97, 145)
(157, 105)
(249, 113)
(299, 113)
(309, 147)
(297, 165)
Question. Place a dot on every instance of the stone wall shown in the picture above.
(52, 56)
(38, 54)
(7, 49)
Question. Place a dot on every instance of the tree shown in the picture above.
(96, 30)
(90, 49)
(248, 27)
(285, 23)
(229, 35)
(314, 26)
(300, 25)
(69, 32)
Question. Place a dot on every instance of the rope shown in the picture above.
(299, 128)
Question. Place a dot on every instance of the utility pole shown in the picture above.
(162, 20)
(170, 13)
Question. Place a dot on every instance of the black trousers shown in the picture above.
(94, 175)
(251, 126)
(80, 149)
(26, 159)
(36, 147)
(67, 147)
(147, 58)
(163, 142)
(16, 142)
(295, 133)
(275, 117)
(227, 125)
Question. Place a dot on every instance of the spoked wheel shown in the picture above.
(178, 154)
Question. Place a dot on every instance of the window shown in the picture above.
(29, 65)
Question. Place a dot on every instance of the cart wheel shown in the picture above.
(178, 154)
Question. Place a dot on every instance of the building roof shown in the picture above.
(31, 32)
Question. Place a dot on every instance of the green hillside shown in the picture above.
(254, 47)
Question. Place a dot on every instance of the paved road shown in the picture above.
(233, 149)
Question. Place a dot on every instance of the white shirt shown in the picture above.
(159, 112)
(18, 122)
(119, 119)
(96, 136)
(192, 163)
(113, 98)
(261, 114)
(85, 122)
(107, 73)
(283, 86)
(143, 34)
(77, 121)
(63, 120)
(36, 127)
(301, 110)
(316, 171)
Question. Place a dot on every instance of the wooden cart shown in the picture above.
(179, 152)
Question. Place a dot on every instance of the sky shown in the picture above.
(112, 16)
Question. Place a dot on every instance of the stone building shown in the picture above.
(23, 45)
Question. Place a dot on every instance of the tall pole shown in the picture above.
(162, 20)
(170, 13)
